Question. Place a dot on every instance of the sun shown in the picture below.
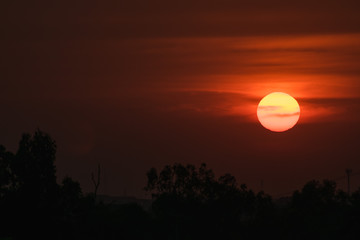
(278, 112)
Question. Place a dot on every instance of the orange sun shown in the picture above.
(278, 112)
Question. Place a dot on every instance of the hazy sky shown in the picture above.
(139, 84)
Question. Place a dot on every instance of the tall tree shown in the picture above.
(35, 195)
(34, 165)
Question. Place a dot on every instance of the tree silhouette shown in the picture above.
(188, 200)
(35, 191)
(187, 203)
(5, 171)
(33, 165)
(6, 185)
(319, 209)
(30, 198)
(70, 195)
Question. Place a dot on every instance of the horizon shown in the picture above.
(133, 85)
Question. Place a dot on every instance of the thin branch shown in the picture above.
(96, 183)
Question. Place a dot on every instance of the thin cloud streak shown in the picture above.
(269, 108)
(281, 115)
(214, 104)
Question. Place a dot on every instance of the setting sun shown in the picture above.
(278, 112)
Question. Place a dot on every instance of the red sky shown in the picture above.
(134, 85)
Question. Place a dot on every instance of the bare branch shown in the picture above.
(96, 183)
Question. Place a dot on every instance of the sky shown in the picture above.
(136, 84)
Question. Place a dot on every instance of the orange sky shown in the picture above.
(312, 68)
(139, 84)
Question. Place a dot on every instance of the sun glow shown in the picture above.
(278, 112)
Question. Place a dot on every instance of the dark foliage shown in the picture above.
(188, 203)
(191, 203)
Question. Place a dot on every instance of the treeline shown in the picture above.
(188, 203)
(191, 203)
